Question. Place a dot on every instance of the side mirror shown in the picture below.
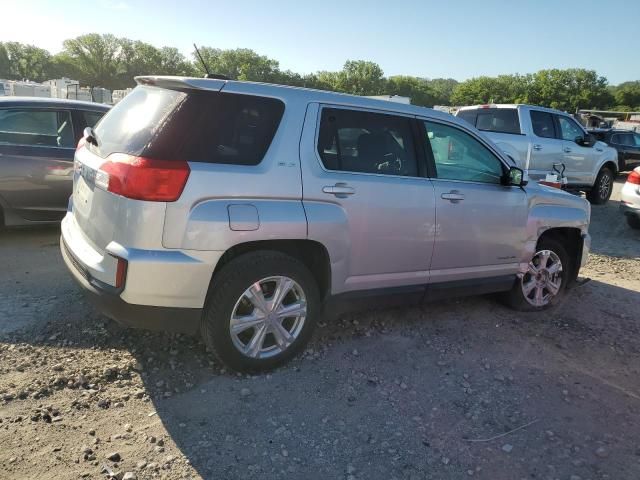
(586, 141)
(515, 177)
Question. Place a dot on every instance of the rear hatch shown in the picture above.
(128, 169)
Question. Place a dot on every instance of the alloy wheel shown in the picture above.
(543, 279)
(604, 187)
(268, 317)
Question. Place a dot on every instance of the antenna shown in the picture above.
(206, 69)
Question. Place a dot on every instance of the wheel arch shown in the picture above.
(312, 254)
(571, 240)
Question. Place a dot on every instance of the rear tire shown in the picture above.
(633, 221)
(602, 188)
(544, 285)
(244, 321)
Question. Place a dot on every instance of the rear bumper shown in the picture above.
(108, 301)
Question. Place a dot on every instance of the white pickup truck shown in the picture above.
(538, 138)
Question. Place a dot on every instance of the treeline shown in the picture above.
(112, 62)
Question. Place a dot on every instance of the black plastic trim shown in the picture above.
(108, 301)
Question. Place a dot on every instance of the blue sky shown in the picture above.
(459, 39)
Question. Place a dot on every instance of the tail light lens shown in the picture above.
(141, 178)
(634, 177)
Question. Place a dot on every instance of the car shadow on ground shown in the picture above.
(370, 385)
(400, 392)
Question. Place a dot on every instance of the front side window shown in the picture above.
(365, 142)
(636, 139)
(542, 123)
(32, 127)
(459, 156)
(569, 129)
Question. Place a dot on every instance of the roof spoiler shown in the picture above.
(182, 82)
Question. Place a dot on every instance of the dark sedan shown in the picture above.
(626, 142)
(38, 137)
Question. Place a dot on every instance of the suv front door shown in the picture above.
(481, 223)
(579, 160)
(366, 198)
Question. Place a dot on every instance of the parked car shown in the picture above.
(537, 138)
(630, 199)
(626, 143)
(38, 137)
(241, 210)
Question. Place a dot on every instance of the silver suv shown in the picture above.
(244, 211)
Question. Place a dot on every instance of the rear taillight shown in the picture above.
(142, 178)
(634, 177)
(121, 271)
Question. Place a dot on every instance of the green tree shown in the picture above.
(627, 94)
(238, 64)
(416, 88)
(96, 58)
(24, 62)
(569, 89)
(172, 62)
(442, 89)
(361, 77)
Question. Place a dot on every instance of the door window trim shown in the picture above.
(41, 109)
(419, 152)
(431, 162)
(557, 135)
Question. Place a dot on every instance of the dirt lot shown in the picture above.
(461, 389)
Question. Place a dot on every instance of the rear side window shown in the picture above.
(91, 118)
(542, 123)
(499, 120)
(33, 127)
(196, 126)
(365, 142)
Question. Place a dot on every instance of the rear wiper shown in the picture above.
(90, 136)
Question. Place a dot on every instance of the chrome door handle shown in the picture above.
(567, 150)
(339, 190)
(537, 147)
(453, 196)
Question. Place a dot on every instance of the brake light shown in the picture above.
(634, 177)
(141, 178)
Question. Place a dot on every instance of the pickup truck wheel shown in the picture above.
(544, 283)
(602, 188)
(261, 311)
(633, 221)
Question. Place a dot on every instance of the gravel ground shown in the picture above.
(459, 389)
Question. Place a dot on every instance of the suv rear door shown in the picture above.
(36, 161)
(366, 197)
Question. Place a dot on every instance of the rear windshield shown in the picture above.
(500, 120)
(196, 126)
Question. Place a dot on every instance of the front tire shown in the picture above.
(261, 311)
(602, 188)
(545, 282)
